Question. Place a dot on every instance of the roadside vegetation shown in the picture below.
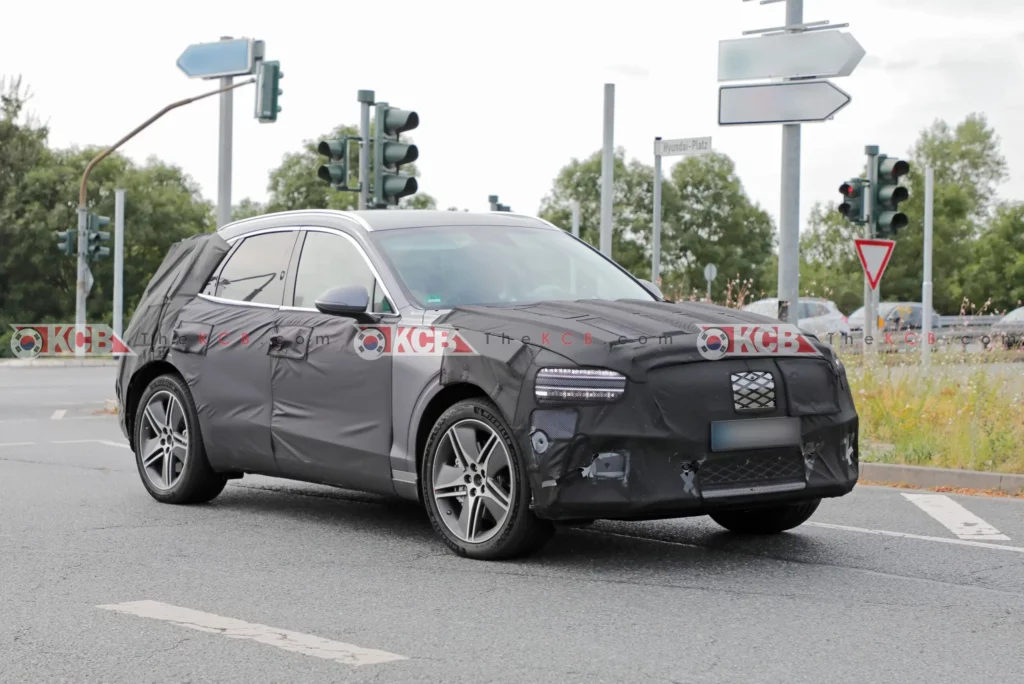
(956, 414)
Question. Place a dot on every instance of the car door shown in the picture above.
(331, 418)
(222, 340)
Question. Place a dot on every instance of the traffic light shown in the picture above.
(389, 184)
(335, 172)
(888, 194)
(852, 207)
(68, 242)
(94, 237)
(267, 91)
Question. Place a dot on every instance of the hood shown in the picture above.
(629, 336)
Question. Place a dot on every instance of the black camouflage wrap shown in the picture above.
(648, 454)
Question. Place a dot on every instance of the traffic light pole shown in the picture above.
(926, 285)
(83, 210)
(656, 238)
(118, 262)
(789, 210)
(365, 98)
(608, 170)
(870, 311)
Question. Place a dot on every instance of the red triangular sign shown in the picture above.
(874, 257)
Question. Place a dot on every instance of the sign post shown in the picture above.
(799, 54)
(680, 147)
(710, 271)
(224, 59)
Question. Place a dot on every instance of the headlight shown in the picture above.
(556, 385)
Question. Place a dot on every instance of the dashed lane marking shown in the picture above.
(296, 642)
(955, 517)
(58, 414)
(906, 535)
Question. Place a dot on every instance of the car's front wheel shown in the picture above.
(169, 449)
(771, 520)
(475, 485)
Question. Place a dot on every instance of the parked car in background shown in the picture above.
(896, 316)
(819, 317)
(1011, 328)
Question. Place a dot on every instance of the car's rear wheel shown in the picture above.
(169, 448)
(767, 520)
(475, 485)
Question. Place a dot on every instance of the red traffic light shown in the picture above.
(846, 189)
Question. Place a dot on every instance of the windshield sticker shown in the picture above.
(433, 299)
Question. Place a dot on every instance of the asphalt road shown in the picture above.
(356, 575)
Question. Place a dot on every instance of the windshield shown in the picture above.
(444, 267)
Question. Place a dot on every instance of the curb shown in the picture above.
(929, 478)
(62, 363)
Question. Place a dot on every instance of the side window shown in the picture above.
(913, 318)
(255, 272)
(328, 261)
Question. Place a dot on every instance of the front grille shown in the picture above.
(727, 470)
(753, 391)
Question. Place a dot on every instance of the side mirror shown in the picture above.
(350, 300)
(652, 288)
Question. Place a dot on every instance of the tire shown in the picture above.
(767, 520)
(192, 480)
(472, 522)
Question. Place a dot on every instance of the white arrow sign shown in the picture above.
(685, 147)
(775, 103)
(822, 54)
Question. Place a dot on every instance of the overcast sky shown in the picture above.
(509, 92)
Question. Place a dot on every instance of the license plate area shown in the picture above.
(755, 433)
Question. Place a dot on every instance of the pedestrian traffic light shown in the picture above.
(852, 207)
(67, 245)
(336, 172)
(267, 91)
(389, 154)
(94, 237)
(888, 194)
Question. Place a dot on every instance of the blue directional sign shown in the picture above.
(222, 58)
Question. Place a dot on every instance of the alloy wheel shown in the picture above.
(164, 440)
(473, 484)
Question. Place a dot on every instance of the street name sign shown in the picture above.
(685, 147)
(814, 54)
(780, 103)
(874, 257)
(222, 58)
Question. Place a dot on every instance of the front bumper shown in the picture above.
(650, 454)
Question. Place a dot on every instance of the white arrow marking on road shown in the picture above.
(296, 642)
(955, 517)
(58, 414)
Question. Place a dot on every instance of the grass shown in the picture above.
(963, 416)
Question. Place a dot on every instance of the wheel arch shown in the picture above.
(448, 396)
(137, 385)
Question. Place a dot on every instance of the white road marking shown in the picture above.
(906, 535)
(113, 444)
(296, 642)
(106, 442)
(955, 517)
(58, 414)
(13, 444)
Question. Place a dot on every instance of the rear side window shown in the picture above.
(256, 271)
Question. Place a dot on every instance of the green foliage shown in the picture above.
(295, 185)
(706, 217)
(977, 253)
(38, 196)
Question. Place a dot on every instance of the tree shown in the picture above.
(39, 196)
(968, 165)
(996, 272)
(708, 218)
(829, 266)
(294, 183)
(633, 207)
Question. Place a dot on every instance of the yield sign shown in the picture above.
(874, 257)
